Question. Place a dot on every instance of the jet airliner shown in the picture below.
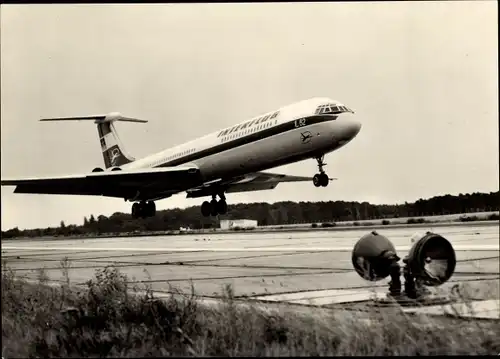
(233, 159)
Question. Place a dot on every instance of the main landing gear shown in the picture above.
(321, 179)
(214, 207)
(143, 209)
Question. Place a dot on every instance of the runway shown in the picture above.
(312, 268)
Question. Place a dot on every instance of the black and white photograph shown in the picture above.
(250, 179)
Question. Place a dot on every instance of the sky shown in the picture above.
(422, 77)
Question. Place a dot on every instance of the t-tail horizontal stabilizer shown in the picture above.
(112, 149)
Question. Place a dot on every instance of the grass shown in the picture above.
(110, 318)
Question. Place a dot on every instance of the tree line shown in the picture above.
(270, 214)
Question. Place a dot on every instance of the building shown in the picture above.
(237, 223)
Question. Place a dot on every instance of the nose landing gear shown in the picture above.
(321, 179)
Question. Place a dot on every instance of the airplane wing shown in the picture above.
(144, 184)
(252, 182)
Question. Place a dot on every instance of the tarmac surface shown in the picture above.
(309, 268)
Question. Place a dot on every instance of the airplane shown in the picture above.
(230, 160)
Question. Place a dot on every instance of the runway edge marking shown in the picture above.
(486, 247)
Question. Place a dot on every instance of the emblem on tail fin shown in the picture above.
(115, 154)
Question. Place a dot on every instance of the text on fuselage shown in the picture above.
(248, 124)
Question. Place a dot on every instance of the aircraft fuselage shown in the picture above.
(295, 133)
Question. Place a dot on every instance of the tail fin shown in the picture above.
(112, 148)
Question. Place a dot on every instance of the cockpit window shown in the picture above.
(332, 109)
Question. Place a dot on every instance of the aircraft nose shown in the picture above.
(352, 128)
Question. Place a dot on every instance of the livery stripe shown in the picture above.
(251, 137)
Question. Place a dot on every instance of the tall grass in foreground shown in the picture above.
(109, 318)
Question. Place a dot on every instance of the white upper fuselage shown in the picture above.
(292, 133)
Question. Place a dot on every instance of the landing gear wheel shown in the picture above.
(317, 180)
(206, 209)
(213, 207)
(150, 209)
(135, 210)
(222, 207)
(143, 210)
(323, 179)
